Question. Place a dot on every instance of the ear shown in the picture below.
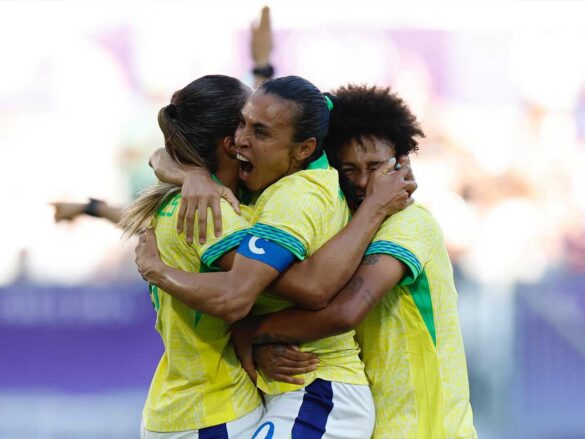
(305, 149)
(229, 146)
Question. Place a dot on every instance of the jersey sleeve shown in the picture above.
(234, 228)
(408, 236)
(292, 216)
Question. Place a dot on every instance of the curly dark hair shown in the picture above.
(360, 111)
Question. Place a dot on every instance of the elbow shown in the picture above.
(232, 315)
(316, 297)
(346, 320)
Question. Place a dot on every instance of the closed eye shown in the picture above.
(372, 166)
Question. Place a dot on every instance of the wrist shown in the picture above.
(156, 272)
(375, 210)
(263, 70)
(92, 208)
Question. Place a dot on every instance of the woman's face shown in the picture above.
(357, 160)
(264, 140)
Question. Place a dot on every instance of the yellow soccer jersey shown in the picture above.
(301, 212)
(199, 382)
(411, 342)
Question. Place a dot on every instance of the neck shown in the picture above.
(227, 172)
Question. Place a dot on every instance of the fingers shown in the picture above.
(296, 355)
(282, 370)
(404, 160)
(265, 18)
(387, 167)
(295, 364)
(410, 187)
(229, 196)
(287, 379)
(181, 214)
(406, 172)
(216, 211)
(202, 223)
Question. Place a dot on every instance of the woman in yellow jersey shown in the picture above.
(199, 388)
(279, 142)
(402, 299)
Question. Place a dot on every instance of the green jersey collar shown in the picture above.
(320, 163)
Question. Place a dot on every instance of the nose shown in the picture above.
(362, 181)
(241, 138)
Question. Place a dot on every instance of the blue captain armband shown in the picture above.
(266, 251)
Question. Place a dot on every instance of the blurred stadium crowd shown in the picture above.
(502, 104)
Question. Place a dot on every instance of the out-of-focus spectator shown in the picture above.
(261, 48)
(96, 208)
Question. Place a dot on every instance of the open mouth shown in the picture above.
(246, 166)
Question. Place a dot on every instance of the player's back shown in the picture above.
(411, 341)
(199, 382)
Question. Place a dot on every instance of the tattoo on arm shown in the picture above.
(371, 259)
(354, 285)
(369, 298)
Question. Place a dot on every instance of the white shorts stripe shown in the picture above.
(324, 409)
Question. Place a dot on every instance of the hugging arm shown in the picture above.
(225, 295)
(198, 192)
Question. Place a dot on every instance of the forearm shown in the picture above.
(293, 325)
(166, 169)
(215, 294)
(376, 275)
(313, 282)
(110, 213)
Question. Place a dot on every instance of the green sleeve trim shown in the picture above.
(421, 294)
(284, 239)
(223, 246)
(400, 253)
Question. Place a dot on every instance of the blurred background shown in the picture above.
(498, 87)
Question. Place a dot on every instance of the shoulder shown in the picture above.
(416, 220)
(318, 185)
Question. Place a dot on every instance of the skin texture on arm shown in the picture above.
(226, 295)
(70, 211)
(198, 192)
(376, 275)
(313, 282)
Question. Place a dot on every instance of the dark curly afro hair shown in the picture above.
(360, 112)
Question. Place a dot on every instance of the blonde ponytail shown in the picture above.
(138, 215)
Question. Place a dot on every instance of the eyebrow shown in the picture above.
(260, 125)
(255, 124)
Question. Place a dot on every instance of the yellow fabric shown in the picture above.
(307, 209)
(420, 388)
(199, 381)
